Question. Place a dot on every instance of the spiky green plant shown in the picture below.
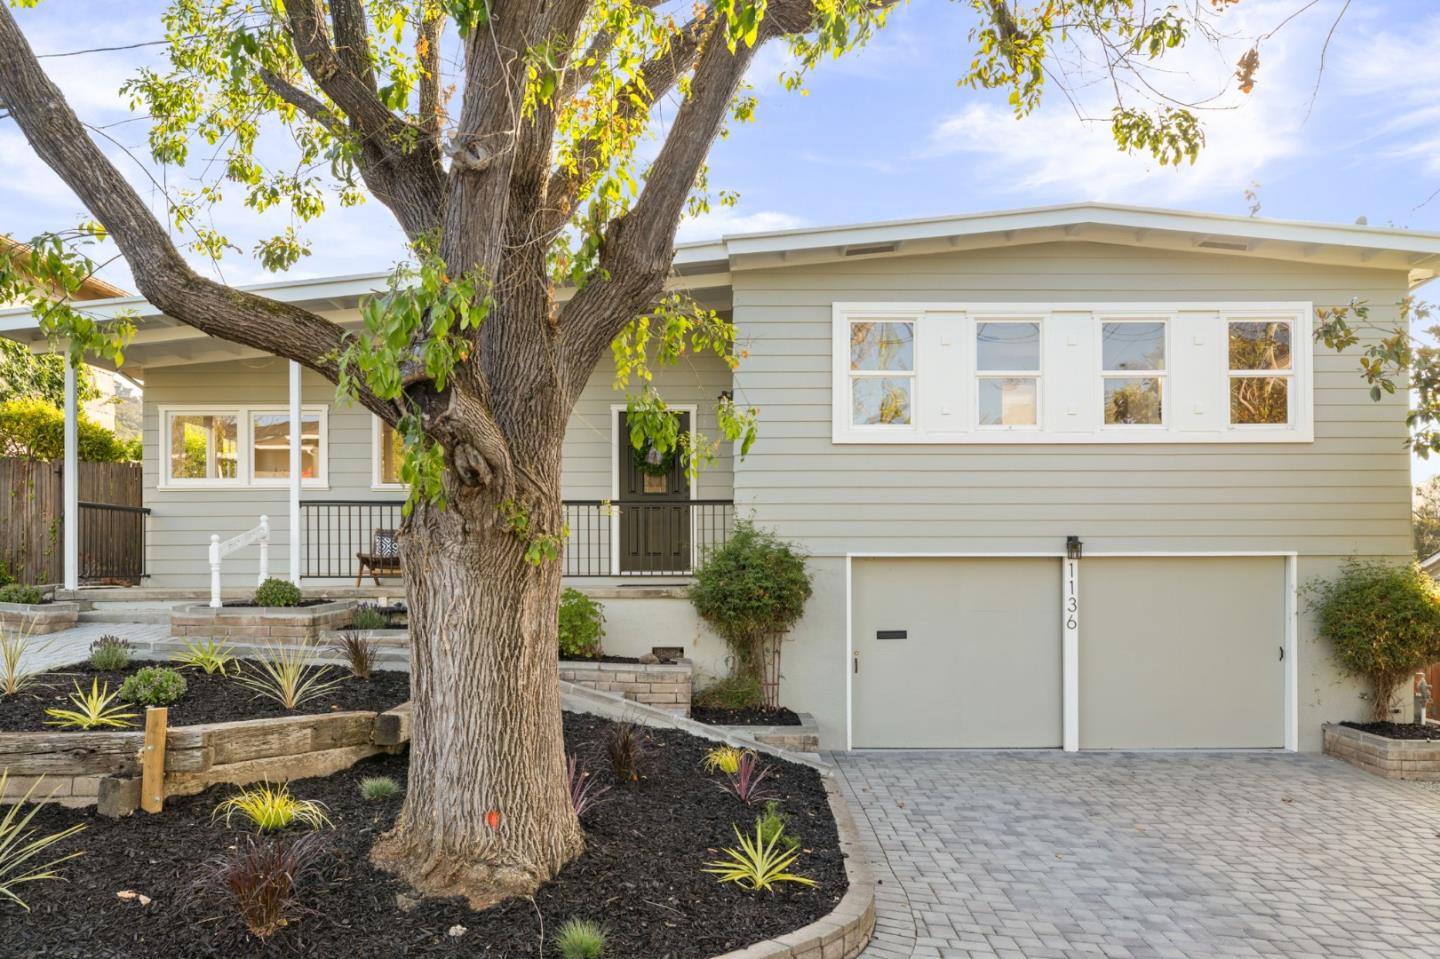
(93, 710)
(19, 844)
(209, 655)
(272, 807)
(580, 939)
(15, 648)
(759, 864)
(375, 788)
(287, 673)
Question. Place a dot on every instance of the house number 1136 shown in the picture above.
(1072, 599)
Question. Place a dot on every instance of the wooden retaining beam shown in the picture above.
(152, 760)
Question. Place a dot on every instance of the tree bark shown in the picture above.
(488, 813)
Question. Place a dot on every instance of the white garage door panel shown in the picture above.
(980, 663)
(1182, 652)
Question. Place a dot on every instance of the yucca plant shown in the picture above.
(580, 939)
(759, 864)
(724, 759)
(286, 673)
(19, 844)
(15, 649)
(746, 783)
(584, 795)
(257, 880)
(93, 710)
(272, 807)
(210, 656)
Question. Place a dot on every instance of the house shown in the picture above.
(1061, 472)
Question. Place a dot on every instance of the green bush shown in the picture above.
(33, 429)
(774, 825)
(153, 686)
(109, 654)
(20, 593)
(753, 587)
(732, 692)
(369, 616)
(277, 592)
(5, 578)
(582, 625)
(1383, 621)
(580, 939)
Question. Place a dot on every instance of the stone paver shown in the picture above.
(1145, 856)
(73, 645)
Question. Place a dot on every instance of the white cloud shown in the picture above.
(728, 222)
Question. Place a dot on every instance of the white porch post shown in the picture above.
(72, 481)
(296, 431)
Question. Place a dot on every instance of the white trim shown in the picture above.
(377, 441)
(1070, 671)
(1069, 654)
(71, 479)
(615, 409)
(244, 454)
(293, 480)
(1191, 380)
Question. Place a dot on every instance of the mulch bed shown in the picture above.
(1398, 730)
(598, 659)
(751, 716)
(207, 699)
(250, 604)
(639, 875)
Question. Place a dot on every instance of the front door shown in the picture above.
(654, 507)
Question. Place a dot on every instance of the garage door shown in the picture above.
(955, 652)
(1182, 653)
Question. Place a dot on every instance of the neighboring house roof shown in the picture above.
(707, 267)
(1431, 565)
(93, 288)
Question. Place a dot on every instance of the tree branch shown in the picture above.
(427, 55)
(161, 273)
(304, 102)
(352, 40)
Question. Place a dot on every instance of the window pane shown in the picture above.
(882, 346)
(1007, 346)
(1259, 399)
(1261, 345)
(270, 445)
(1133, 401)
(1133, 346)
(392, 454)
(204, 447)
(1007, 401)
(881, 400)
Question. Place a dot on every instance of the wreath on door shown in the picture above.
(651, 462)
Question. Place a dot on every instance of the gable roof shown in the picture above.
(93, 288)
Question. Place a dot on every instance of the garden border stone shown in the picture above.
(259, 624)
(665, 685)
(38, 619)
(804, 738)
(1410, 759)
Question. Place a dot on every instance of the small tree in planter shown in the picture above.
(751, 590)
(1384, 622)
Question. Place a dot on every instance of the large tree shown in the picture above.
(511, 140)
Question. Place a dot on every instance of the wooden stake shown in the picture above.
(152, 760)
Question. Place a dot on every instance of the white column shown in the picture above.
(72, 481)
(1070, 653)
(295, 433)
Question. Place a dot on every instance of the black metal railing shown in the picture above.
(607, 538)
(112, 543)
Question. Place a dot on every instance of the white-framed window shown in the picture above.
(239, 446)
(881, 372)
(1260, 368)
(1007, 374)
(387, 453)
(1132, 372)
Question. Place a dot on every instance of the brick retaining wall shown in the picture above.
(1412, 759)
(39, 619)
(666, 686)
(259, 624)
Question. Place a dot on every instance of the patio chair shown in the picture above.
(383, 558)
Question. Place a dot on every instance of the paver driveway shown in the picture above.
(1041, 854)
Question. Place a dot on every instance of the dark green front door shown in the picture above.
(654, 511)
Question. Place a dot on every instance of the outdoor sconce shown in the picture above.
(1073, 547)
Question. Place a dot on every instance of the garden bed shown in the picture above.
(749, 716)
(1409, 731)
(258, 625)
(640, 875)
(1388, 756)
(666, 686)
(38, 619)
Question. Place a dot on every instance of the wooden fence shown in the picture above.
(32, 514)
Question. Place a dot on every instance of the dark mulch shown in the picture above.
(640, 875)
(750, 716)
(597, 659)
(249, 604)
(207, 699)
(1398, 730)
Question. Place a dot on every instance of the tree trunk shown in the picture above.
(487, 814)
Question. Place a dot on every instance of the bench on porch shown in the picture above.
(383, 558)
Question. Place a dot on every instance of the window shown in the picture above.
(1007, 369)
(1260, 372)
(1128, 348)
(240, 446)
(882, 372)
(389, 453)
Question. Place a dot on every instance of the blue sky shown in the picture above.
(887, 133)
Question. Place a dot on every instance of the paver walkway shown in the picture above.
(1041, 854)
(73, 645)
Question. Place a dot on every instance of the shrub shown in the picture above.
(580, 939)
(211, 655)
(1383, 621)
(628, 748)
(724, 759)
(19, 844)
(753, 587)
(92, 710)
(582, 625)
(369, 616)
(20, 593)
(5, 578)
(272, 807)
(153, 686)
(277, 592)
(359, 653)
(375, 788)
(758, 864)
(109, 654)
(732, 692)
(14, 675)
(772, 824)
(257, 880)
(285, 673)
(746, 783)
(584, 795)
(34, 429)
